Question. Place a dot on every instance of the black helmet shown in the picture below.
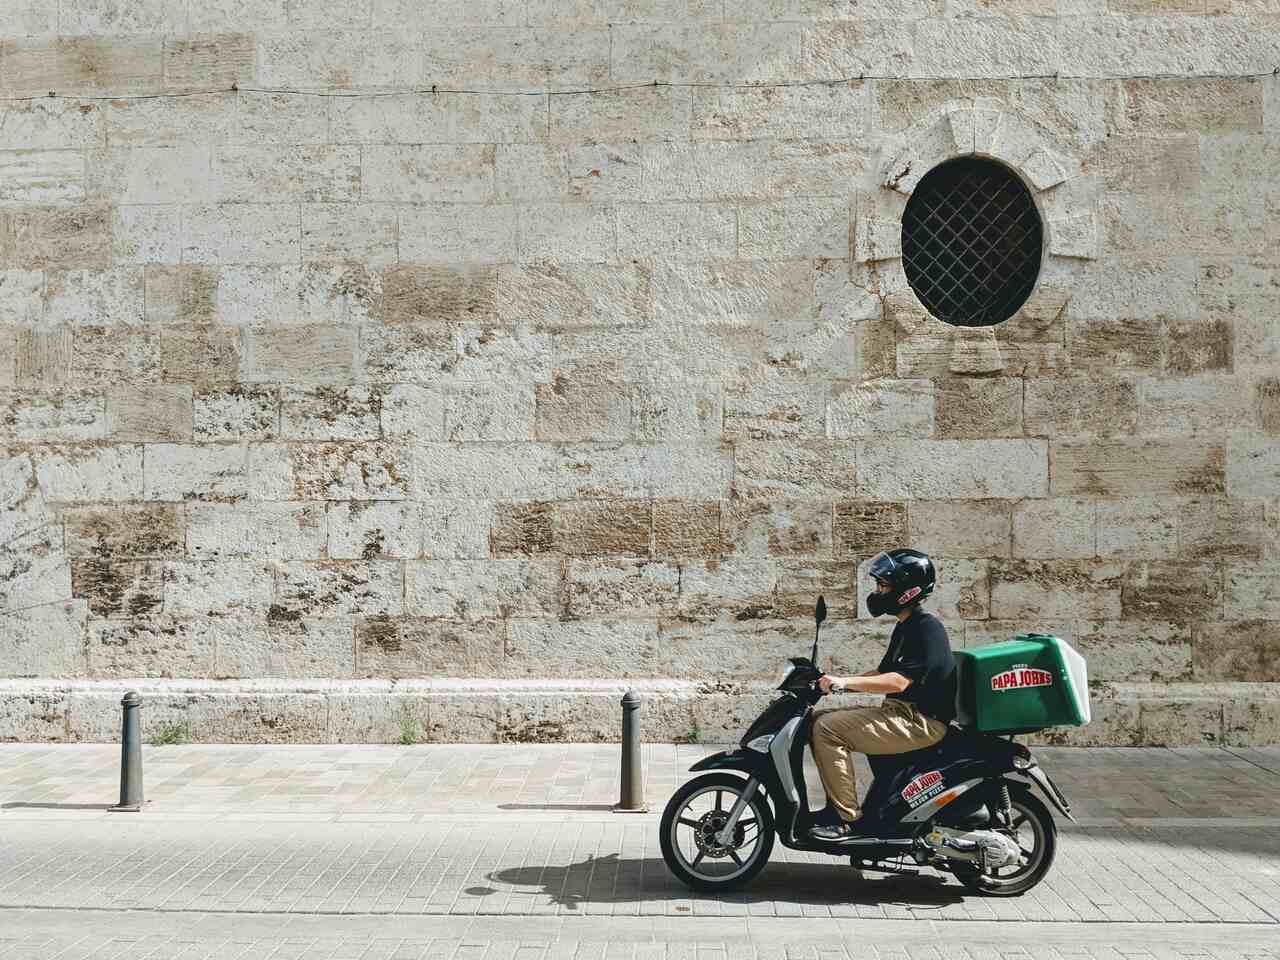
(911, 578)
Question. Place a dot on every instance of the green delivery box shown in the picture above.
(1028, 683)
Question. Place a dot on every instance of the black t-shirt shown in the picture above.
(920, 651)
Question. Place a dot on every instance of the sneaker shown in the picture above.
(834, 834)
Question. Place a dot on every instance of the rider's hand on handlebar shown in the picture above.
(827, 684)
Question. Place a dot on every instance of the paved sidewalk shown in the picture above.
(437, 832)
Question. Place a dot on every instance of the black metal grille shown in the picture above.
(971, 242)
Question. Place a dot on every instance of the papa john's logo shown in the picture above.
(1021, 676)
(923, 787)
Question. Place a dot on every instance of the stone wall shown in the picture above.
(329, 392)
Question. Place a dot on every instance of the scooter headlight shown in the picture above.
(761, 744)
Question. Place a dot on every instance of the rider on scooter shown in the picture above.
(917, 676)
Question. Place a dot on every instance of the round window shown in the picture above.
(971, 242)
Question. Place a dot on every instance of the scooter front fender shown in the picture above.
(750, 762)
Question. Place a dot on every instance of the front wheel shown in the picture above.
(695, 814)
(1035, 832)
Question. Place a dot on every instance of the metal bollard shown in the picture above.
(632, 799)
(130, 755)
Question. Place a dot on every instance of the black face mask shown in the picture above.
(878, 604)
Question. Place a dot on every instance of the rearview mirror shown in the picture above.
(820, 611)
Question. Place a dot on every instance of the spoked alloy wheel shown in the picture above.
(695, 814)
(1036, 834)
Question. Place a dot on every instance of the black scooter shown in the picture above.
(956, 805)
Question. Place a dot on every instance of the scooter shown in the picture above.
(961, 805)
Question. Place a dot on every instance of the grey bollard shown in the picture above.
(130, 756)
(632, 799)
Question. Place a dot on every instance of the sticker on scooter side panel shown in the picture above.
(923, 787)
(1021, 677)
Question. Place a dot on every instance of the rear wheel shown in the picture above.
(1035, 832)
(695, 814)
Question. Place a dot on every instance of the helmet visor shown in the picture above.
(882, 567)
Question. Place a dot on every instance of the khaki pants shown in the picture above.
(893, 727)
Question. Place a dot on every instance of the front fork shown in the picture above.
(724, 836)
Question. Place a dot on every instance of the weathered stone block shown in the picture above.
(349, 588)
(606, 528)
(180, 294)
(564, 295)
(1056, 588)
(855, 48)
(351, 471)
(210, 61)
(411, 411)
(457, 232)
(902, 407)
(532, 172)
(773, 410)
(330, 413)
(216, 586)
(278, 531)
(71, 237)
(376, 529)
(732, 292)
(299, 354)
(482, 589)
(1057, 528)
(692, 231)
(199, 354)
(522, 529)
(1251, 722)
(146, 234)
(567, 232)
(794, 228)
(956, 469)
(1172, 590)
(456, 528)
(1251, 595)
(114, 355)
(288, 646)
(501, 354)
(978, 633)
(42, 176)
(404, 647)
(341, 58)
(404, 353)
(236, 413)
(634, 589)
(1253, 466)
(464, 471)
(609, 648)
(864, 528)
(445, 118)
(21, 293)
(84, 64)
(439, 295)
(111, 296)
(1135, 527)
(565, 411)
(89, 473)
(31, 416)
(36, 358)
(1241, 650)
(358, 231)
(33, 715)
(174, 471)
(1211, 528)
(423, 173)
(701, 52)
(632, 471)
(688, 413)
(114, 589)
(814, 471)
(1116, 467)
(22, 507)
(988, 407)
(778, 529)
(1081, 406)
(34, 570)
(44, 641)
(1175, 720)
(149, 413)
(739, 113)
(646, 115)
(127, 531)
(522, 59)
(958, 529)
(684, 528)
(801, 581)
(252, 233)
(490, 411)
(1175, 105)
